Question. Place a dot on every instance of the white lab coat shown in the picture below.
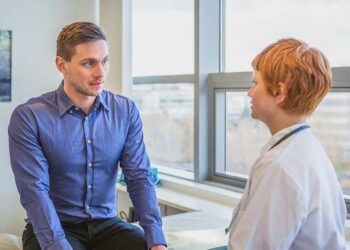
(292, 199)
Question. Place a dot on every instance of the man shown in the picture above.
(292, 199)
(65, 147)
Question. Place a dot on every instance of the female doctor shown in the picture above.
(292, 199)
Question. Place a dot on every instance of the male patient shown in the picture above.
(65, 147)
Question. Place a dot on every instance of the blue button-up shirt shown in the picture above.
(65, 164)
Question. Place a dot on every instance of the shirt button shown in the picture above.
(89, 141)
(89, 186)
(90, 164)
(70, 111)
(76, 108)
(87, 207)
(86, 118)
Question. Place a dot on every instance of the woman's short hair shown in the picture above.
(304, 70)
(74, 34)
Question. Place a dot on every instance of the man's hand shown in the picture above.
(158, 247)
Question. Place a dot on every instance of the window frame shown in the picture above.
(164, 79)
(223, 82)
(208, 78)
(240, 81)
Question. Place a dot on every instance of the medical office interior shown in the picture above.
(187, 65)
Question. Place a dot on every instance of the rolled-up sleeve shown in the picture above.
(31, 172)
(136, 168)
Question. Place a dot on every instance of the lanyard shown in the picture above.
(227, 229)
(289, 134)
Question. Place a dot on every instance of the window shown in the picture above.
(334, 112)
(192, 70)
(162, 37)
(252, 25)
(239, 138)
(163, 67)
(251, 134)
(167, 114)
(248, 27)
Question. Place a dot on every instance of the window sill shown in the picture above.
(204, 203)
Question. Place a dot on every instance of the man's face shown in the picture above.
(263, 104)
(87, 70)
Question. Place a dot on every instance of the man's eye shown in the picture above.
(88, 64)
(253, 83)
(105, 61)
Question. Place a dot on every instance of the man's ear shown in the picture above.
(60, 64)
(280, 93)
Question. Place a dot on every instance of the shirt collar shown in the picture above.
(277, 136)
(65, 104)
(101, 100)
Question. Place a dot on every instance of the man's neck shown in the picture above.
(86, 104)
(81, 101)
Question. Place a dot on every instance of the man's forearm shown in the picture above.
(47, 227)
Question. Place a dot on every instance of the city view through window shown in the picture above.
(330, 123)
(251, 25)
(167, 115)
(163, 44)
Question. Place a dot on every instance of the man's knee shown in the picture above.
(120, 235)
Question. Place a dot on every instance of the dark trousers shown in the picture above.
(101, 234)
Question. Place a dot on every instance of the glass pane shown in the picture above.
(252, 25)
(167, 115)
(163, 37)
(240, 127)
(331, 123)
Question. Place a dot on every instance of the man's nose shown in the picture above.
(100, 71)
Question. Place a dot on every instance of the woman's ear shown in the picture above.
(280, 93)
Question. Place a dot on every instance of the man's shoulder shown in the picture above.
(34, 111)
(109, 95)
(39, 103)
(113, 99)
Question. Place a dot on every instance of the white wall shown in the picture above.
(35, 25)
(115, 20)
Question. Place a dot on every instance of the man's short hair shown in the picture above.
(74, 34)
(304, 70)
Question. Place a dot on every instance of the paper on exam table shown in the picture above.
(196, 239)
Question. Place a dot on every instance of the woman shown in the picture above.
(292, 199)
